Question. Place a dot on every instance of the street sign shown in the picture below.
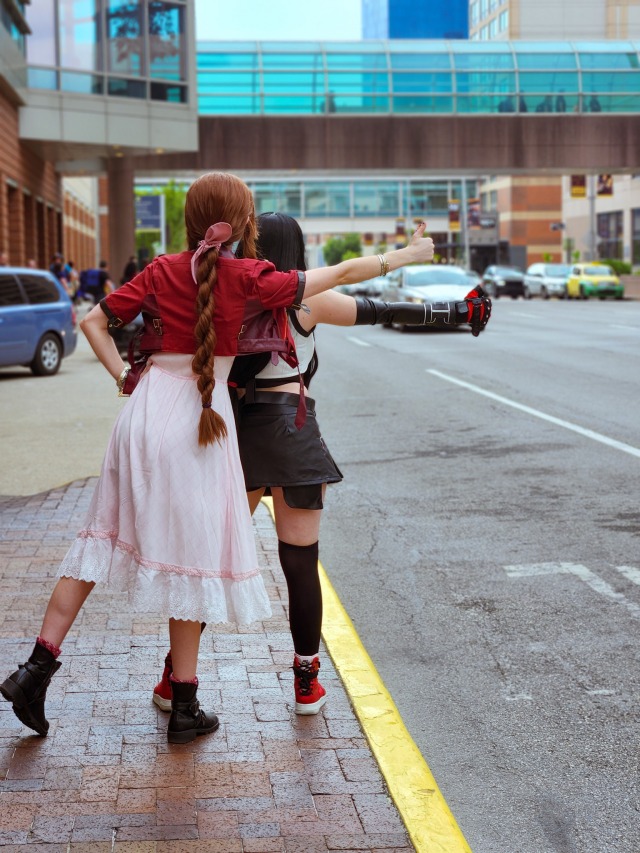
(149, 212)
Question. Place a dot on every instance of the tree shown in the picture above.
(338, 249)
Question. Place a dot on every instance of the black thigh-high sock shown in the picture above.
(300, 566)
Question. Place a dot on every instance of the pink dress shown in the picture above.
(169, 521)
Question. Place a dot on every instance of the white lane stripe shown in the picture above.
(630, 573)
(522, 314)
(358, 341)
(593, 580)
(627, 328)
(587, 433)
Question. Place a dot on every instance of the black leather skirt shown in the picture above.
(275, 453)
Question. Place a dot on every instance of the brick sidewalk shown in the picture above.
(106, 779)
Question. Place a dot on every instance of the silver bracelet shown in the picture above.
(122, 378)
(384, 265)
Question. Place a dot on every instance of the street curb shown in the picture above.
(413, 788)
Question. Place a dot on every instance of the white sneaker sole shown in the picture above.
(309, 710)
(163, 704)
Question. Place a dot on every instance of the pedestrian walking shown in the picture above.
(169, 521)
(293, 465)
(130, 270)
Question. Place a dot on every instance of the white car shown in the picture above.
(429, 283)
(545, 280)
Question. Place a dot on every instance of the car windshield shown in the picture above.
(557, 269)
(440, 275)
(600, 269)
(507, 270)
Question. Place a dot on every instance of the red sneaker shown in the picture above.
(310, 694)
(162, 692)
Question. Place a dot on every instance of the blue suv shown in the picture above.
(37, 320)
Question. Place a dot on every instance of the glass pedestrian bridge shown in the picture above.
(417, 77)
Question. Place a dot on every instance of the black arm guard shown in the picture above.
(373, 311)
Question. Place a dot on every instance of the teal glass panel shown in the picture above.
(358, 82)
(480, 103)
(549, 82)
(608, 60)
(124, 37)
(294, 104)
(546, 61)
(483, 61)
(121, 88)
(416, 82)
(78, 35)
(376, 198)
(485, 82)
(42, 78)
(361, 104)
(326, 199)
(560, 103)
(420, 61)
(169, 92)
(358, 61)
(228, 82)
(280, 197)
(303, 61)
(82, 84)
(167, 47)
(615, 81)
(282, 81)
(428, 198)
(41, 44)
(229, 105)
(227, 60)
(611, 103)
(422, 104)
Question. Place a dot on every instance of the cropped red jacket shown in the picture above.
(167, 286)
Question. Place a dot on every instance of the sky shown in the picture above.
(278, 20)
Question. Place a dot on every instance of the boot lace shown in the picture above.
(306, 673)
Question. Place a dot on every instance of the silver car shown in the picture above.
(429, 283)
(546, 280)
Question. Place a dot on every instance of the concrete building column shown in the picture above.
(122, 221)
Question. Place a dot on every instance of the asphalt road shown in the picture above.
(486, 546)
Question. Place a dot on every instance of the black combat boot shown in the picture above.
(187, 719)
(26, 689)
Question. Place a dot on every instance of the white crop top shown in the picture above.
(305, 347)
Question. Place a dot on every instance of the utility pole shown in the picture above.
(464, 223)
(591, 193)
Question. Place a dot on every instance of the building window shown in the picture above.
(493, 28)
(474, 13)
(166, 41)
(635, 236)
(610, 235)
(125, 34)
(327, 199)
(484, 8)
(79, 35)
(41, 44)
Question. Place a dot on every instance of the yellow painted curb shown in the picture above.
(426, 815)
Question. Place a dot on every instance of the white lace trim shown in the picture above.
(155, 588)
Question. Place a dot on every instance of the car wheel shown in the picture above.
(48, 356)
(387, 325)
(583, 294)
(619, 295)
(544, 293)
(527, 293)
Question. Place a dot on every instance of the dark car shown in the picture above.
(37, 320)
(428, 283)
(503, 281)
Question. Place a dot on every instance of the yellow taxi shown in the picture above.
(593, 279)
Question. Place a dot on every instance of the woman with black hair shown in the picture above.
(294, 465)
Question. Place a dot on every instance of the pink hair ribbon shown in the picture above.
(215, 237)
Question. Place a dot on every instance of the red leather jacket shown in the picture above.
(166, 288)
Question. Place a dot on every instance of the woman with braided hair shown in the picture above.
(169, 522)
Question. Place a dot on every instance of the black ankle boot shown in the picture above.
(26, 689)
(187, 719)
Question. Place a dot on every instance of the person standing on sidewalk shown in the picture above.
(169, 521)
(295, 466)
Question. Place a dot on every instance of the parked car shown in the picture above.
(427, 284)
(546, 280)
(503, 281)
(593, 279)
(37, 320)
(371, 287)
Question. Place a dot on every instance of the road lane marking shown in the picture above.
(411, 784)
(594, 581)
(358, 341)
(587, 433)
(630, 573)
(620, 326)
(522, 314)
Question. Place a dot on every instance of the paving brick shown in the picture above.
(105, 779)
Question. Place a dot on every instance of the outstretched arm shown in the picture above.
(419, 250)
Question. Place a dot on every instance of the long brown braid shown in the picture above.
(215, 197)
